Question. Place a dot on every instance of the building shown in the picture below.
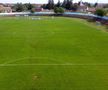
(82, 9)
(38, 7)
(4, 9)
(91, 9)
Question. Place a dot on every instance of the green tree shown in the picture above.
(50, 5)
(96, 4)
(56, 10)
(75, 7)
(44, 6)
(19, 7)
(29, 6)
(64, 3)
(58, 4)
(100, 12)
(69, 4)
(59, 10)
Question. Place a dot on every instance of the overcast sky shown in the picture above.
(45, 1)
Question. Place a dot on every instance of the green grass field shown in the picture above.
(52, 54)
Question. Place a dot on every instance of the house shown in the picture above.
(100, 5)
(4, 9)
(38, 7)
(82, 7)
(91, 9)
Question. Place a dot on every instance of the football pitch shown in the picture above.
(52, 53)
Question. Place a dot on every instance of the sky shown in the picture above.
(45, 1)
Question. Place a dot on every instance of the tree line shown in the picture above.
(59, 7)
(66, 4)
(19, 7)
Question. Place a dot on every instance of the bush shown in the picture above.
(100, 12)
(58, 10)
(61, 10)
(106, 9)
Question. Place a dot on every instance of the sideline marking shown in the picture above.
(3, 65)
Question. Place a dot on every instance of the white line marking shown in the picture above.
(11, 63)
(20, 59)
(3, 65)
